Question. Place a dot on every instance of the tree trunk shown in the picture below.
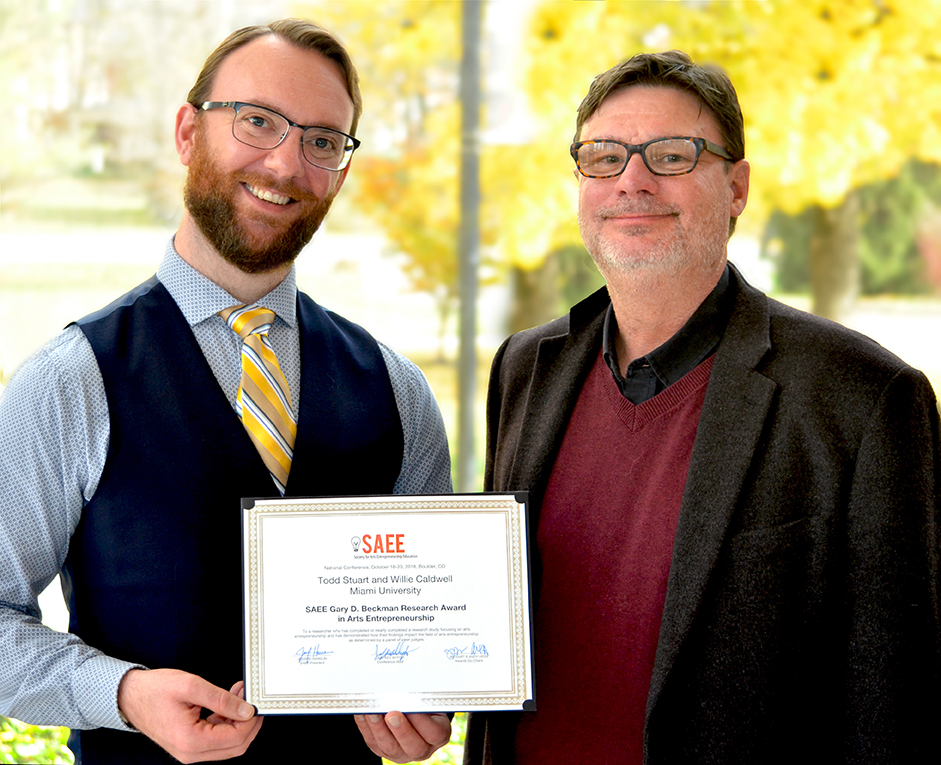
(834, 259)
(535, 295)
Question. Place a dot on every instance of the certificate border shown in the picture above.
(511, 505)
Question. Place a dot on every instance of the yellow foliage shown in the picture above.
(835, 93)
(405, 177)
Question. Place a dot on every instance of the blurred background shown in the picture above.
(842, 104)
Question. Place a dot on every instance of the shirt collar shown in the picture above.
(687, 349)
(200, 298)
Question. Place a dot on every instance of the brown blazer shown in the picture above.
(801, 621)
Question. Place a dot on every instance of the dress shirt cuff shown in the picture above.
(96, 690)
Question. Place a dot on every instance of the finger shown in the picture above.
(396, 738)
(220, 701)
(378, 737)
(236, 690)
(435, 729)
(419, 735)
(219, 742)
(368, 727)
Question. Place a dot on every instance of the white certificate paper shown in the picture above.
(369, 604)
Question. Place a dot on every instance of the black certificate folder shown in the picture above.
(417, 603)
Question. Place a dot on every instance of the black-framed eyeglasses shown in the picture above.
(677, 155)
(263, 128)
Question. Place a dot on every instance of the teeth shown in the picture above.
(269, 196)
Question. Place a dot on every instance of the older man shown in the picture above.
(735, 504)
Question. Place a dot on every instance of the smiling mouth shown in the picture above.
(637, 214)
(269, 196)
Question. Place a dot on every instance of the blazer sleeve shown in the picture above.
(892, 547)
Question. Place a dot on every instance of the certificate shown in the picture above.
(372, 604)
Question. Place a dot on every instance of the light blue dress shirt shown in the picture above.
(54, 432)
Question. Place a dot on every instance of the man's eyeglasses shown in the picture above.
(663, 156)
(263, 128)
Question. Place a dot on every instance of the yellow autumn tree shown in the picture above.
(836, 94)
(408, 57)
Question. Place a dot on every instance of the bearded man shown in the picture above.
(127, 443)
(734, 505)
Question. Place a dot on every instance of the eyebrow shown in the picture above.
(269, 107)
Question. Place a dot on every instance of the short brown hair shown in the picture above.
(304, 35)
(674, 69)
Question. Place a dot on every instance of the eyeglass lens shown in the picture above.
(264, 129)
(669, 156)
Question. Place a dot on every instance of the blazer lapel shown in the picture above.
(734, 411)
(562, 363)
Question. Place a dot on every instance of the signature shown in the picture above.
(472, 650)
(307, 655)
(399, 652)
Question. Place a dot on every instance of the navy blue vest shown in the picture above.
(154, 567)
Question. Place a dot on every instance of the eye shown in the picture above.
(255, 121)
(601, 155)
(323, 144)
(667, 159)
(673, 150)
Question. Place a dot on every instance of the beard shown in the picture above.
(209, 196)
(670, 253)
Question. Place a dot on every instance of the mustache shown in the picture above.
(634, 208)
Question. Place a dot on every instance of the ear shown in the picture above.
(738, 185)
(185, 132)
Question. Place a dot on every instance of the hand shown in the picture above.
(165, 705)
(404, 738)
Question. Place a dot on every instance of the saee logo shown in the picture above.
(370, 544)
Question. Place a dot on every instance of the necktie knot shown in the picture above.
(247, 320)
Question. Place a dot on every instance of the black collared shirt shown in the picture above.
(681, 354)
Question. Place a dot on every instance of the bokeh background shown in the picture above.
(842, 103)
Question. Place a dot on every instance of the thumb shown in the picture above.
(224, 703)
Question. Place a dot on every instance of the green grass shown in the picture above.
(22, 743)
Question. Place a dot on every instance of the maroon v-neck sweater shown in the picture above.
(605, 538)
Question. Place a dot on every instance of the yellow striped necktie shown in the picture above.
(264, 400)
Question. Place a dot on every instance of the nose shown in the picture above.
(636, 177)
(287, 158)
